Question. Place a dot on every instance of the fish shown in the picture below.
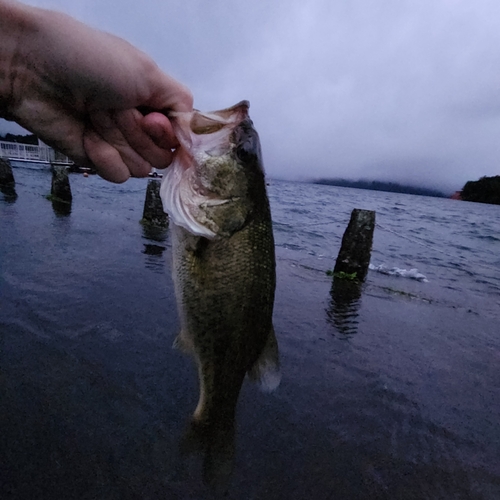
(224, 270)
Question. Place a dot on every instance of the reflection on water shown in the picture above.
(344, 305)
(9, 192)
(154, 233)
(154, 257)
(155, 260)
(61, 207)
(153, 249)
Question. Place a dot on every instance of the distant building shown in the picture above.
(31, 153)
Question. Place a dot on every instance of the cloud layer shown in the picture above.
(377, 89)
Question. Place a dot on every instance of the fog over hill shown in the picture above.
(393, 187)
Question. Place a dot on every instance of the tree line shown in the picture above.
(484, 190)
(22, 139)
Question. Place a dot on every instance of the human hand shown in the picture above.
(80, 91)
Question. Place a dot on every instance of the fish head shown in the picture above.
(217, 178)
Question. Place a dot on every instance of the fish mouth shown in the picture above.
(231, 115)
(201, 136)
(204, 123)
(207, 133)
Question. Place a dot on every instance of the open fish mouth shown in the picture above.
(204, 138)
(188, 125)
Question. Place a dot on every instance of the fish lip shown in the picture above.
(222, 116)
(241, 107)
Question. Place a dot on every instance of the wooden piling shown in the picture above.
(354, 256)
(61, 189)
(7, 181)
(153, 213)
(6, 175)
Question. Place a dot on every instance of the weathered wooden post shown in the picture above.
(6, 175)
(61, 190)
(354, 255)
(7, 181)
(153, 213)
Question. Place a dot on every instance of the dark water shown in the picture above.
(392, 391)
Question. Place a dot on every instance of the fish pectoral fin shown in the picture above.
(182, 343)
(266, 370)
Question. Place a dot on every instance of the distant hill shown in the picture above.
(392, 187)
(484, 190)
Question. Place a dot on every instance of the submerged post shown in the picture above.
(354, 255)
(153, 213)
(61, 190)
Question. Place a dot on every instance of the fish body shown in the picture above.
(223, 268)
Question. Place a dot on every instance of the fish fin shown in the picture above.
(182, 343)
(266, 370)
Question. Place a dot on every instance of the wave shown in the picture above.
(396, 271)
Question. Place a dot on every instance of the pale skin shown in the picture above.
(88, 94)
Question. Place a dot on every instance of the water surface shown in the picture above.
(391, 391)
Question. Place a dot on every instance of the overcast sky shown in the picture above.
(400, 90)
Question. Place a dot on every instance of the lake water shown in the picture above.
(390, 391)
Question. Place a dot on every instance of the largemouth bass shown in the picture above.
(223, 269)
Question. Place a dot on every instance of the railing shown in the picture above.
(31, 153)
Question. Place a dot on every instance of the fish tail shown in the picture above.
(215, 442)
(211, 431)
(266, 370)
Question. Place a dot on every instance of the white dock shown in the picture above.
(31, 153)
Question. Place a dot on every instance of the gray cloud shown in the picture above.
(386, 89)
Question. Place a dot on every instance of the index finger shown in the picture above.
(159, 128)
